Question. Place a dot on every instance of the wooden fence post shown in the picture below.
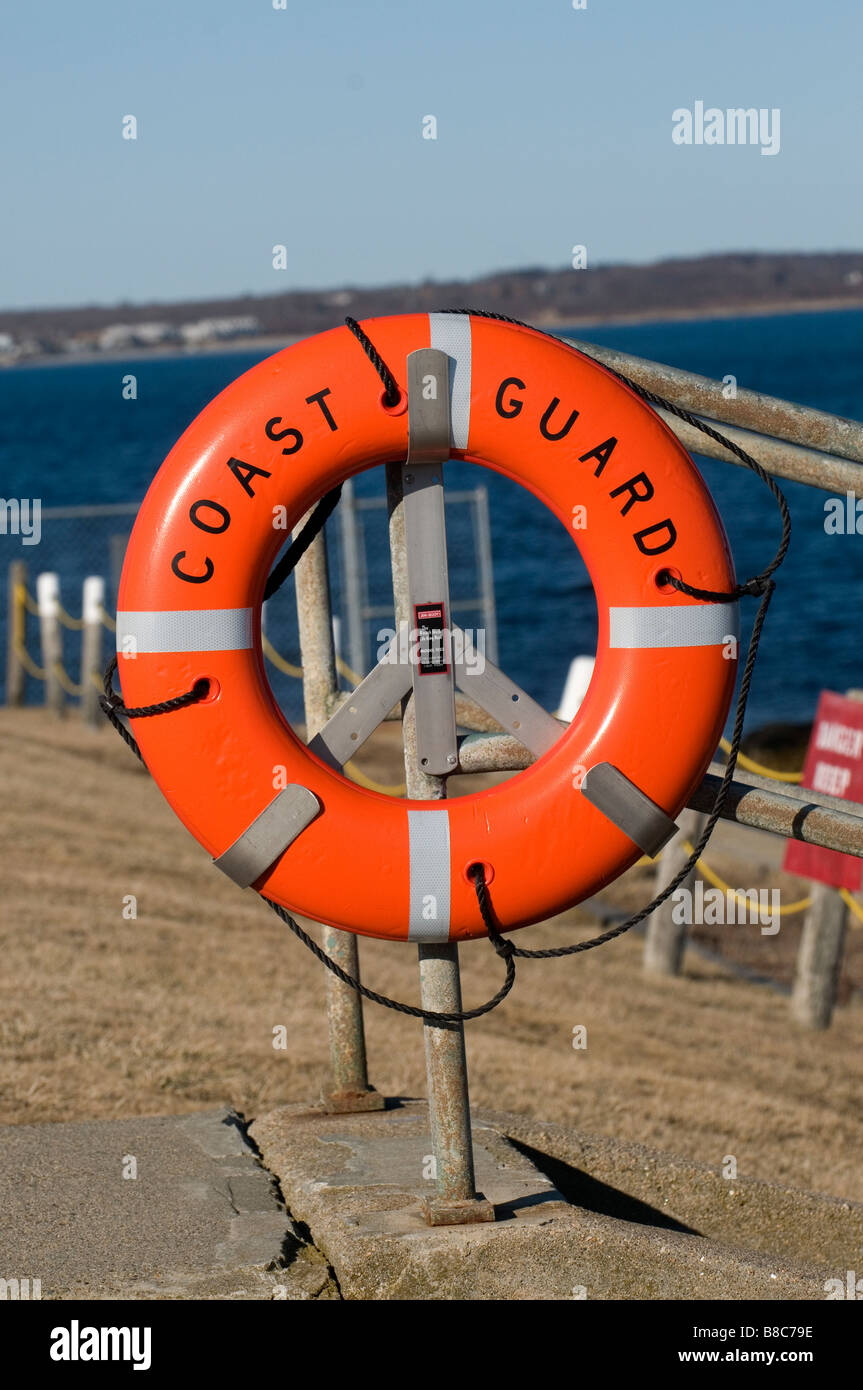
(92, 606)
(16, 633)
(819, 959)
(48, 600)
(665, 940)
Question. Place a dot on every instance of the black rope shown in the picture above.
(392, 395)
(504, 948)
(300, 544)
(113, 707)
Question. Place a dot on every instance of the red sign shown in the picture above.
(834, 765)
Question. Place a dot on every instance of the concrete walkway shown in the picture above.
(200, 1219)
(188, 1207)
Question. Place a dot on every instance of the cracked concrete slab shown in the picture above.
(200, 1218)
(578, 1216)
(356, 1182)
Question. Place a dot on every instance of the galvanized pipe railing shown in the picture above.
(751, 410)
(794, 812)
(784, 460)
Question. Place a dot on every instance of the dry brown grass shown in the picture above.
(175, 1011)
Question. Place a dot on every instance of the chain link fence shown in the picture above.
(78, 542)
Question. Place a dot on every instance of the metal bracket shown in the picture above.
(371, 702)
(269, 835)
(505, 701)
(627, 807)
(427, 571)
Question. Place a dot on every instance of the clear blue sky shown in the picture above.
(303, 126)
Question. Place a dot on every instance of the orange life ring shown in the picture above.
(280, 437)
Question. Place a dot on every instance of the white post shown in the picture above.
(48, 601)
(92, 608)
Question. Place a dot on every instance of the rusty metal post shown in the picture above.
(351, 1090)
(456, 1200)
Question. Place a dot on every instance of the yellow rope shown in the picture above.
(852, 903)
(717, 882)
(297, 671)
(23, 597)
(762, 771)
(21, 652)
(66, 680)
(390, 789)
(347, 671)
(27, 601)
(107, 620)
(279, 661)
(74, 624)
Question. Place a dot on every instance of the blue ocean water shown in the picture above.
(68, 437)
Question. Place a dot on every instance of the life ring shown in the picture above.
(280, 437)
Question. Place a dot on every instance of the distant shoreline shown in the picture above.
(274, 342)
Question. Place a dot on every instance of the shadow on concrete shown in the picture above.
(581, 1190)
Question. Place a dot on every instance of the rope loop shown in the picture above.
(392, 394)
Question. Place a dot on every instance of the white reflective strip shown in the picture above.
(428, 832)
(704, 625)
(188, 630)
(450, 333)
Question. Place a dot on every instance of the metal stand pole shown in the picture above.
(456, 1200)
(351, 1089)
(353, 578)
